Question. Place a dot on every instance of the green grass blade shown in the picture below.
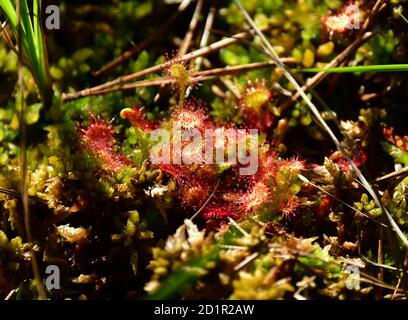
(403, 17)
(11, 14)
(180, 279)
(183, 277)
(39, 43)
(399, 155)
(36, 25)
(33, 44)
(362, 69)
(9, 11)
(29, 31)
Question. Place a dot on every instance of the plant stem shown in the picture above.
(193, 24)
(23, 162)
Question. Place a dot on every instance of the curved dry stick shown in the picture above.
(206, 34)
(403, 172)
(193, 24)
(6, 37)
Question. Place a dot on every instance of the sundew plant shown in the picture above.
(199, 149)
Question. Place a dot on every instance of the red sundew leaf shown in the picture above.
(254, 105)
(192, 115)
(219, 213)
(137, 117)
(98, 139)
(288, 207)
(256, 197)
(347, 18)
(268, 166)
(256, 95)
(294, 165)
(195, 182)
(194, 196)
(345, 166)
(178, 70)
(99, 135)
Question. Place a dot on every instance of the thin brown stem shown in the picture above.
(7, 38)
(403, 172)
(193, 24)
(380, 260)
(206, 202)
(218, 92)
(369, 20)
(231, 87)
(242, 68)
(206, 34)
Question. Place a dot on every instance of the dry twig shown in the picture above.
(185, 58)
